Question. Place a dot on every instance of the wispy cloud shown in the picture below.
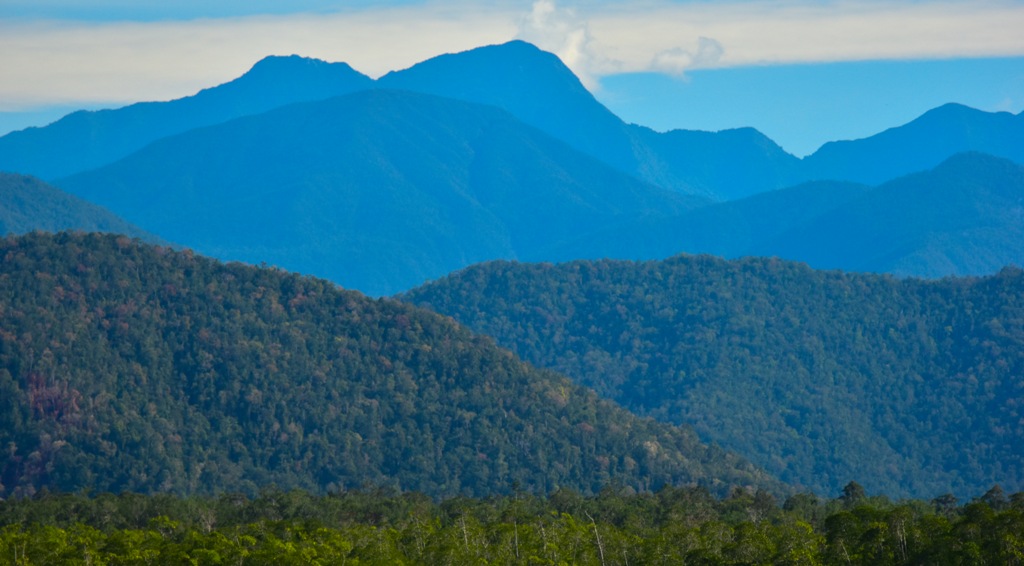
(60, 61)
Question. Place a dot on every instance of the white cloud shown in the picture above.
(55, 62)
(676, 60)
(763, 32)
(561, 31)
(58, 62)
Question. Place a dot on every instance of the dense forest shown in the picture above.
(911, 387)
(126, 366)
(671, 526)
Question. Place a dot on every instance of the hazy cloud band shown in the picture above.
(54, 62)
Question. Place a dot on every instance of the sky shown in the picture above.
(802, 71)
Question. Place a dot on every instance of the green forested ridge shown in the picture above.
(28, 204)
(911, 387)
(672, 526)
(131, 367)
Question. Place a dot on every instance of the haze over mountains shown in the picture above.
(378, 190)
(964, 217)
(88, 139)
(264, 191)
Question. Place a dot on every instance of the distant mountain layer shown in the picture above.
(919, 145)
(28, 204)
(964, 217)
(537, 88)
(378, 190)
(85, 140)
(130, 367)
(910, 388)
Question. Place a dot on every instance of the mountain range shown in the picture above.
(378, 190)
(537, 88)
(909, 387)
(126, 366)
(88, 139)
(964, 217)
(376, 202)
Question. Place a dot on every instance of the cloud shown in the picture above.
(677, 60)
(48, 62)
(805, 31)
(57, 62)
(562, 31)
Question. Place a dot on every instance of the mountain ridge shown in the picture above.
(905, 386)
(133, 367)
(28, 204)
(86, 139)
(381, 190)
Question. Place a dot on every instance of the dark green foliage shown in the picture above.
(819, 377)
(86, 140)
(28, 204)
(131, 367)
(378, 190)
(672, 526)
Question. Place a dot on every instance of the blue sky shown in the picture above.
(802, 71)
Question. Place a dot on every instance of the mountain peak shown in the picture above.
(274, 64)
(509, 63)
(294, 72)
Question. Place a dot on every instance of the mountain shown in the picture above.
(920, 145)
(129, 367)
(86, 140)
(908, 387)
(378, 190)
(964, 217)
(727, 229)
(536, 87)
(539, 89)
(28, 204)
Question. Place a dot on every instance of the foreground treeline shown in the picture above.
(672, 526)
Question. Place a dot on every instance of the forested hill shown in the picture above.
(130, 367)
(912, 388)
(28, 204)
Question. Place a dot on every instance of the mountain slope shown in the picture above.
(728, 229)
(378, 190)
(965, 217)
(28, 204)
(131, 367)
(910, 388)
(920, 145)
(86, 140)
(536, 87)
